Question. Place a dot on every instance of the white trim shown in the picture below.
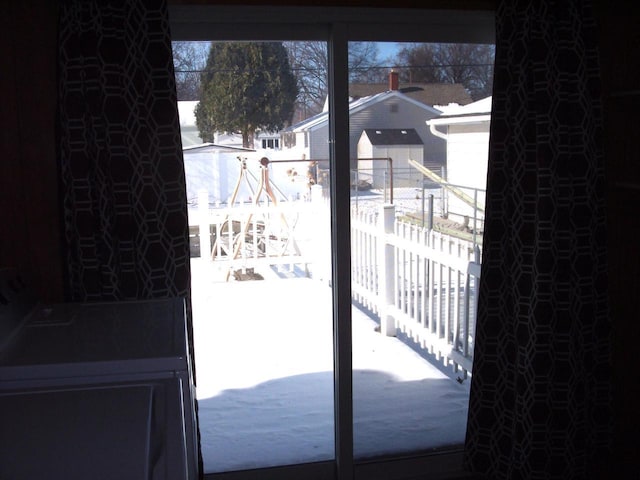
(460, 120)
(358, 106)
(436, 132)
(212, 148)
(468, 119)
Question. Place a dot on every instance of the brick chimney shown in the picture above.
(393, 80)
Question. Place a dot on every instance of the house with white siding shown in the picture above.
(387, 110)
(191, 136)
(465, 129)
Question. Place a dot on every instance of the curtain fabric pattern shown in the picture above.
(122, 172)
(540, 395)
(120, 154)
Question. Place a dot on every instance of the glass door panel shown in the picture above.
(259, 215)
(419, 131)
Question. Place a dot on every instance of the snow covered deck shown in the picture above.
(264, 361)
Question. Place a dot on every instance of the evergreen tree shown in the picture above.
(246, 86)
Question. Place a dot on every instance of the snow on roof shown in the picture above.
(393, 136)
(213, 148)
(475, 112)
(480, 106)
(356, 106)
(307, 122)
(427, 93)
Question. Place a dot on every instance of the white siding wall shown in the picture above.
(377, 171)
(467, 154)
(367, 168)
(400, 156)
(301, 147)
(365, 150)
(319, 142)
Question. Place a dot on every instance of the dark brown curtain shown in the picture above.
(540, 395)
(120, 153)
(121, 160)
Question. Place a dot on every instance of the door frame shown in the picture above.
(338, 26)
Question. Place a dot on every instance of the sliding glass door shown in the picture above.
(259, 196)
(307, 359)
(414, 236)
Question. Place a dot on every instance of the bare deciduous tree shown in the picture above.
(309, 64)
(468, 64)
(189, 59)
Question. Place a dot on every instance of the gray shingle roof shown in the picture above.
(393, 136)
(427, 93)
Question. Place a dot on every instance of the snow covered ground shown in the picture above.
(265, 384)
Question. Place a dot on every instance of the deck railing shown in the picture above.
(417, 281)
(291, 234)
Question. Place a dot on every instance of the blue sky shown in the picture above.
(387, 49)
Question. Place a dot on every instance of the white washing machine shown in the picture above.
(95, 390)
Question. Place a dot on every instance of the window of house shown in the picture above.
(270, 143)
(349, 326)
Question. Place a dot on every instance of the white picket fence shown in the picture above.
(417, 281)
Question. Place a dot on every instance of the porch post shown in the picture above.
(321, 256)
(203, 220)
(387, 271)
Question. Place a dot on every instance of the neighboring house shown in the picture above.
(267, 140)
(400, 145)
(191, 136)
(387, 110)
(466, 131)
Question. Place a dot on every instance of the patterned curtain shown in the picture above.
(121, 160)
(121, 165)
(540, 395)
